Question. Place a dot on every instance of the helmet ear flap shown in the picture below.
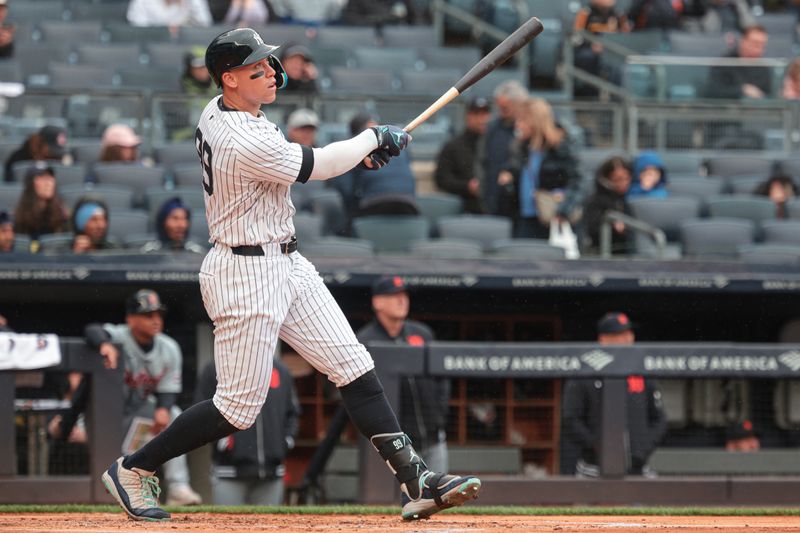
(280, 74)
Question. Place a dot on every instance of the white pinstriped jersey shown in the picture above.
(248, 166)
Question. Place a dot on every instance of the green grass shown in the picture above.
(470, 510)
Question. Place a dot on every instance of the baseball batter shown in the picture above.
(257, 288)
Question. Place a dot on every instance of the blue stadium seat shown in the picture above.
(345, 36)
(122, 223)
(726, 165)
(122, 32)
(407, 36)
(395, 59)
(65, 174)
(337, 247)
(9, 196)
(447, 249)
(110, 56)
(770, 254)
(781, 232)
(391, 234)
(72, 77)
(757, 209)
(136, 176)
(307, 227)
(483, 228)
(69, 34)
(718, 238)
(460, 58)
(362, 81)
(531, 249)
(115, 196)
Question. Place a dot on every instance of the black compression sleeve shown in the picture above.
(96, 335)
(368, 407)
(307, 165)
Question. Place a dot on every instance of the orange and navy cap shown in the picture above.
(614, 323)
(388, 285)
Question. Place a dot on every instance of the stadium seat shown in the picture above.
(743, 184)
(681, 162)
(780, 46)
(22, 244)
(697, 44)
(592, 159)
(167, 55)
(110, 56)
(396, 59)
(102, 11)
(362, 81)
(73, 77)
(738, 165)
(435, 206)
(790, 166)
(168, 155)
(37, 106)
(187, 174)
(70, 33)
(532, 249)
(191, 196)
(781, 232)
(640, 42)
(32, 12)
(284, 34)
(198, 35)
(770, 254)
(667, 214)
(392, 233)
(459, 59)
(696, 187)
(717, 238)
(483, 228)
(148, 78)
(85, 151)
(65, 174)
(793, 209)
(127, 222)
(405, 36)
(486, 86)
(307, 227)
(55, 243)
(754, 208)
(428, 142)
(9, 196)
(337, 247)
(115, 196)
(11, 71)
(447, 249)
(333, 57)
(429, 82)
(138, 177)
(345, 36)
(546, 52)
(122, 32)
(198, 229)
(777, 24)
(328, 204)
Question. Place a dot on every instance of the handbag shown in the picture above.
(547, 203)
(561, 235)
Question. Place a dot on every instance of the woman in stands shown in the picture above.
(120, 144)
(542, 173)
(40, 209)
(612, 181)
(780, 189)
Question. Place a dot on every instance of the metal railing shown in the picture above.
(634, 224)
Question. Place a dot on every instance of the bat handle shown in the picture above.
(433, 108)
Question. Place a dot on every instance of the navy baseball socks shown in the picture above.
(131, 480)
(423, 492)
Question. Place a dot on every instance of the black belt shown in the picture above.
(286, 248)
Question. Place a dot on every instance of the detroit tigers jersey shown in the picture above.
(248, 167)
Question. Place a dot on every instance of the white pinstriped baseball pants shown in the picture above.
(255, 300)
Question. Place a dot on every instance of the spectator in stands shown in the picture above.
(6, 32)
(743, 81)
(600, 16)
(153, 365)
(239, 13)
(791, 81)
(170, 13)
(316, 13)
(49, 143)
(300, 69)
(379, 12)
(741, 437)
(40, 209)
(90, 223)
(172, 226)
(390, 190)
(455, 166)
(612, 182)
(302, 126)
(542, 171)
(196, 80)
(6, 234)
(424, 400)
(120, 144)
(249, 465)
(581, 419)
(727, 15)
(780, 189)
(656, 14)
(649, 177)
(495, 150)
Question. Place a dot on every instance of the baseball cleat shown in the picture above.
(135, 491)
(437, 492)
(181, 495)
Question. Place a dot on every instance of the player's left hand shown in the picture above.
(160, 420)
(391, 138)
(376, 159)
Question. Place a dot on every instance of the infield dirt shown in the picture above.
(206, 523)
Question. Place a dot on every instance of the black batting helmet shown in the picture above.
(242, 46)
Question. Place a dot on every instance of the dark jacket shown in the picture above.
(604, 199)
(493, 156)
(726, 82)
(424, 400)
(257, 452)
(559, 170)
(456, 167)
(646, 422)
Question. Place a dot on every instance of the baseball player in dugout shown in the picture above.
(257, 287)
(646, 422)
(424, 400)
(153, 365)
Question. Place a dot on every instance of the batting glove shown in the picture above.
(378, 159)
(391, 138)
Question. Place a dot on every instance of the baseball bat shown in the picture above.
(510, 45)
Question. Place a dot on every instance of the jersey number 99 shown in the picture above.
(204, 151)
